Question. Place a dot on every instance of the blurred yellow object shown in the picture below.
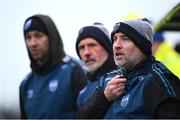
(167, 55)
(131, 16)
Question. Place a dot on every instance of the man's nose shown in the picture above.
(33, 42)
(118, 44)
(87, 51)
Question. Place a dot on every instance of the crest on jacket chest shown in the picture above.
(125, 100)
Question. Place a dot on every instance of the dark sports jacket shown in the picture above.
(52, 95)
(93, 82)
(152, 91)
(51, 90)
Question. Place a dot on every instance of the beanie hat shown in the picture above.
(34, 24)
(99, 33)
(158, 37)
(139, 31)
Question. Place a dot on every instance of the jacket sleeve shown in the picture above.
(79, 81)
(95, 107)
(158, 98)
(23, 114)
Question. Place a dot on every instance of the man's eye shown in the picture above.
(27, 37)
(125, 38)
(114, 38)
(81, 48)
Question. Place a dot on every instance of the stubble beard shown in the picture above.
(121, 63)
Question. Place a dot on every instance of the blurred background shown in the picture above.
(69, 16)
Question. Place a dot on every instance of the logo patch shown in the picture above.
(141, 78)
(125, 100)
(80, 31)
(116, 27)
(64, 66)
(53, 85)
(30, 93)
(28, 24)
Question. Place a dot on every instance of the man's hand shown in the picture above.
(115, 87)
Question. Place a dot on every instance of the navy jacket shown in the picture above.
(152, 91)
(93, 82)
(51, 89)
(52, 95)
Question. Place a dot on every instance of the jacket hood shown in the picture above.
(56, 52)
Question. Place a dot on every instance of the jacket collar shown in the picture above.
(142, 67)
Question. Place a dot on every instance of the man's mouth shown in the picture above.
(89, 61)
(118, 54)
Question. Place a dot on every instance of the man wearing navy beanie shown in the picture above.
(51, 88)
(140, 33)
(35, 24)
(94, 48)
(99, 33)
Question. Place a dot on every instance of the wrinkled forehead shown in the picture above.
(88, 41)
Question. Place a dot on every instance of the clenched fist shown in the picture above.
(115, 87)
